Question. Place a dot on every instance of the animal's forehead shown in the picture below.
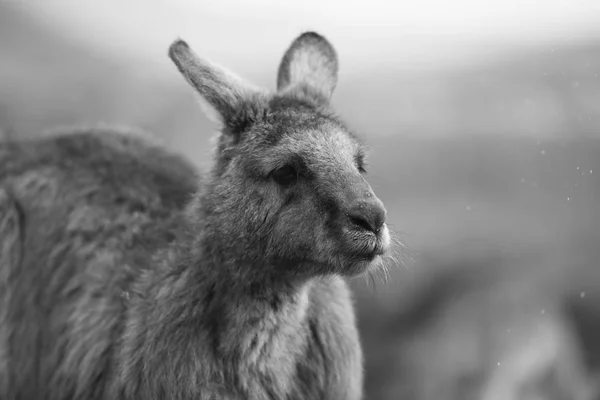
(326, 141)
(322, 145)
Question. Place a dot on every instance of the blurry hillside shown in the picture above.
(490, 173)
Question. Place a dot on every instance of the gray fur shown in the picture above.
(124, 275)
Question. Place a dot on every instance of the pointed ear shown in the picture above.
(309, 63)
(225, 97)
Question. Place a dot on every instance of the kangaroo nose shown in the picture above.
(368, 214)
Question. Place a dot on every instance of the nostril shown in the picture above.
(362, 222)
(369, 216)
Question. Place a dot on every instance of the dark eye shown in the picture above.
(361, 165)
(286, 176)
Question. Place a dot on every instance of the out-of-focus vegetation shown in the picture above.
(491, 177)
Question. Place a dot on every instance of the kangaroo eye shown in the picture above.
(286, 176)
(361, 164)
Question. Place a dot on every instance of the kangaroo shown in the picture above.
(127, 274)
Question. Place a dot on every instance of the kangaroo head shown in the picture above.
(287, 189)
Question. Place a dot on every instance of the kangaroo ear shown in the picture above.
(227, 99)
(310, 64)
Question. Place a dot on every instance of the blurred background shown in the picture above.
(484, 124)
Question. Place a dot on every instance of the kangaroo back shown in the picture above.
(93, 203)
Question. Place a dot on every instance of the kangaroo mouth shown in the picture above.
(367, 246)
(371, 254)
(365, 250)
(358, 263)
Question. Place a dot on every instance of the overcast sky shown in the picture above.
(250, 34)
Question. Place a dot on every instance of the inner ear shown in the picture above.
(310, 64)
(225, 98)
